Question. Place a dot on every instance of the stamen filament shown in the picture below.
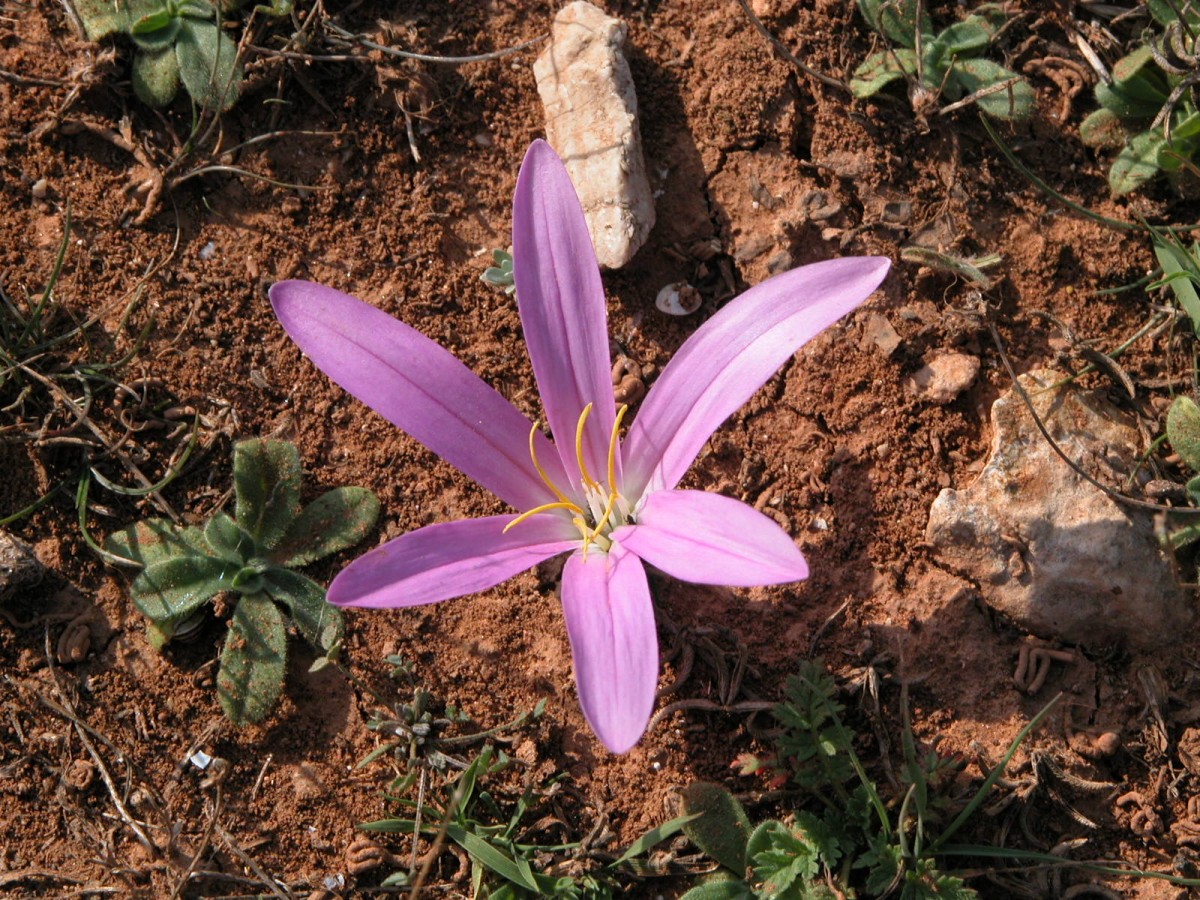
(612, 450)
(612, 499)
(562, 498)
(583, 417)
(566, 504)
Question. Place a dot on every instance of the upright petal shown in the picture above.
(614, 642)
(561, 301)
(418, 386)
(730, 357)
(450, 559)
(710, 539)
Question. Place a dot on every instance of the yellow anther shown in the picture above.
(565, 504)
(562, 498)
(612, 453)
(583, 417)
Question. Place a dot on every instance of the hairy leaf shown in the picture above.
(1010, 98)
(781, 857)
(266, 477)
(154, 540)
(1183, 430)
(227, 539)
(722, 888)
(896, 20)
(319, 622)
(155, 76)
(172, 589)
(1136, 164)
(723, 828)
(253, 660)
(1104, 128)
(880, 69)
(338, 519)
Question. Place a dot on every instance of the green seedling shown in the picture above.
(1183, 433)
(494, 832)
(853, 844)
(1181, 272)
(947, 64)
(1149, 109)
(249, 557)
(500, 273)
(175, 41)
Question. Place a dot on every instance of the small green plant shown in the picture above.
(947, 64)
(851, 846)
(500, 273)
(249, 556)
(1149, 108)
(176, 41)
(1183, 433)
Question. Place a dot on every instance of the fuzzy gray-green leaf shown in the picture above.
(1136, 164)
(723, 828)
(896, 20)
(155, 76)
(170, 590)
(154, 540)
(721, 889)
(318, 620)
(338, 519)
(227, 539)
(880, 69)
(266, 477)
(1011, 102)
(1183, 430)
(208, 65)
(253, 660)
(101, 18)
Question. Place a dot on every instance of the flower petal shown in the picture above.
(614, 643)
(730, 357)
(711, 539)
(450, 559)
(561, 301)
(418, 386)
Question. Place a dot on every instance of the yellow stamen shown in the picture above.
(562, 498)
(612, 450)
(566, 504)
(612, 499)
(583, 417)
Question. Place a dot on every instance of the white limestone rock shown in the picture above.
(943, 378)
(591, 121)
(1048, 549)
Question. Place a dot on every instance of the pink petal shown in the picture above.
(710, 539)
(450, 559)
(418, 386)
(614, 642)
(730, 357)
(561, 301)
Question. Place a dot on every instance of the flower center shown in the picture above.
(603, 506)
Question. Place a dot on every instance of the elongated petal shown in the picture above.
(418, 386)
(710, 539)
(730, 357)
(450, 559)
(561, 301)
(614, 642)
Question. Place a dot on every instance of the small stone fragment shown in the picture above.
(19, 567)
(678, 299)
(590, 103)
(879, 331)
(1047, 548)
(943, 378)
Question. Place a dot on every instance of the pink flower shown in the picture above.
(610, 504)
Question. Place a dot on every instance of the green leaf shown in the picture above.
(652, 838)
(319, 621)
(968, 37)
(155, 77)
(880, 69)
(209, 68)
(1012, 102)
(1136, 164)
(174, 588)
(1104, 128)
(101, 18)
(896, 20)
(781, 857)
(884, 863)
(253, 660)
(722, 829)
(266, 477)
(227, 540)
(1164, 12)
(155, 30)
(515, 870)
(155, 540)
(721, 889)
(338, 519)
(1181, 268)
(1183, 430)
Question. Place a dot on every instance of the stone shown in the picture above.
(943, 378)
(1048, 549)
(878, 332)
(19, 566)
(590, 104)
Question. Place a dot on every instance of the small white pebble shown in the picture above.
(41, 187)
(208, 251)
(200, 760)
(820, 524)
(678, 299)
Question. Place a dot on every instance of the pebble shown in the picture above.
(943, 378)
